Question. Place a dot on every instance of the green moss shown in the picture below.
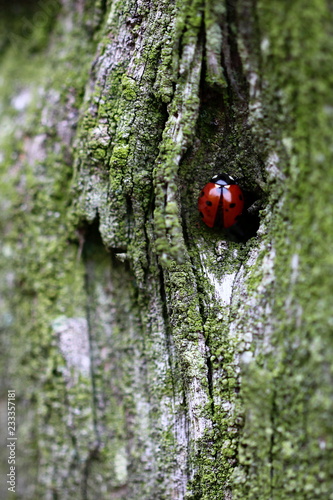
(287, 391)
(139, 165)
(48, 278)
(214, 40)
(129, 88)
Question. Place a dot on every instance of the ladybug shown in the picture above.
(221, 202)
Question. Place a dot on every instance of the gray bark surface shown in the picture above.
(153, 357)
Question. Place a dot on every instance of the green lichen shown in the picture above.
(36, 172)
(145, 144)
(129, 88)
(286, 447)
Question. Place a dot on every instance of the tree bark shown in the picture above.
(152, 357)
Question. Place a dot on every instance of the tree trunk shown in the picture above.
(151, 356)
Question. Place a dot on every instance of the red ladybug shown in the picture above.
(221, 202)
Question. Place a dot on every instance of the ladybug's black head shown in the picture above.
(222, 179)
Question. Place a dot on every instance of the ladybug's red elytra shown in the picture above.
(221, 201)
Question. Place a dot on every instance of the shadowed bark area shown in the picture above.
(151, 356)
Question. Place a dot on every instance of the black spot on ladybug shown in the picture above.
(201, 214)
(232, 205)
(209, 203)
(240, 197)
(202, 193)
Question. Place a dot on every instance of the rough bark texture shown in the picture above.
(154, 358)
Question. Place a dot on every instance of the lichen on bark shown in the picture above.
(164, 359)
